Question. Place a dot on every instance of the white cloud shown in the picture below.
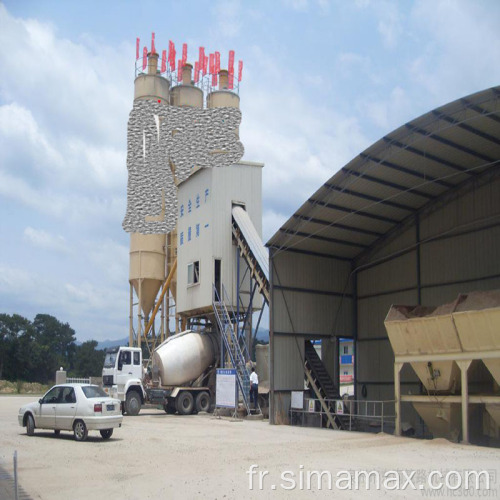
(460, 46)
(228, 14)
(390, 24)
(47, 241)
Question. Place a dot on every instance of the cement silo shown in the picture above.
(147, 251)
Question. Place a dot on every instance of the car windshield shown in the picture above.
(110, 360)
(93, 391)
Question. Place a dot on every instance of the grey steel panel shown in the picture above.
(372, 312)
(309, 272)
(288, 363)
(397, 273)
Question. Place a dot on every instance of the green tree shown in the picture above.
(57, 345)
(12, 329)
(88, 360)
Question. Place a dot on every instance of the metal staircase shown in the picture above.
(321, 383)
(234, 344)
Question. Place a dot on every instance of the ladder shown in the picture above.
(234, 345)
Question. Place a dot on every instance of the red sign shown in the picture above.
(153, 49)
(211, 64)
(164, 61)
(137, 49)
(184, 53)
(240, 70)
(345, 379)
(144, 58)
(230, 66)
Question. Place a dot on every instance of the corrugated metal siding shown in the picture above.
(305, 271)
(465, 257)
(479, 203)
(395, 274)
(372, 312)
(288, 363)
(311, 314)
(375, 362)
(402, 241)
(448, 293)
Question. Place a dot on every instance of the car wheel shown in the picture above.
(30, 425)
(203, 401)
(57, 432)
(80, 430)
(185, 403)
(133, 403)
(106, 433)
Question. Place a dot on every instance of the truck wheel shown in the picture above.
(169, 410)
(133, 404)
(185, 403)
(80, 430)
(106, 433)
(30, 426)
(203, 401)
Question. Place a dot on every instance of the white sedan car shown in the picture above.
(73, 407)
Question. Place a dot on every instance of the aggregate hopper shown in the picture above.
(470, 324)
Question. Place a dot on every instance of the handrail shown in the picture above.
(233, 348)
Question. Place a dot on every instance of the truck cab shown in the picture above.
(122, 376)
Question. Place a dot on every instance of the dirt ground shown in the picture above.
(155, 456)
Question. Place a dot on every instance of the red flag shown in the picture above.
(214, 80)
(144, 58)
(230, 81)
(211, 64)
(179, 71)
(184, 53)
(240, 70)
(153, 49)
(164, 61)
(171, 56)
(217, 63)
(137, 49)
(196, 71)
(205, 64)
(201, 58)
(230, 66)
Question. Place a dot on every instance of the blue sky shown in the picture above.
(322, 81)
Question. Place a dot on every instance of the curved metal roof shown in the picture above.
(397, 177)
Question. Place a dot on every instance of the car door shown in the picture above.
(66, 409)
(47, 417)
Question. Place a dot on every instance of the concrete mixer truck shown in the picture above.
(180, 376)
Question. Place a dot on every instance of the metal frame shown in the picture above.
(463, 360)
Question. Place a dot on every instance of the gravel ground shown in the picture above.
(155, 455)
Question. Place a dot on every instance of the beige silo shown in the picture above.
(186, 94)
(147, 251)
(223, 98)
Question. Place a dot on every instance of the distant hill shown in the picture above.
(262, 336)
(112, 343)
